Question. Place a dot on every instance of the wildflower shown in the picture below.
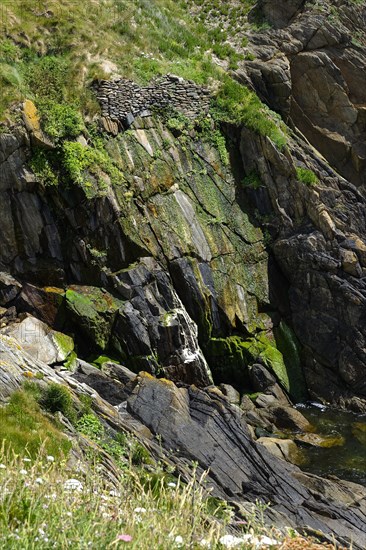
(249, 538)
(2, 467)
(172, 484)
(204, 543)
(241, 522)
(50, 458)
(178, 540)
(114, 493)
(125, 538)
(140, 510)
(229, 541)
(73, 485)
(39, 480)
(266, 541)
(26, 459)
(23, 472)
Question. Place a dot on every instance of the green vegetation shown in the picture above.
(61, 121)
(238, 105)
(252, 180)
(51, 506)
(24, 429)
(42, 165)
(306, 176)
(58, 398)
(123, 449)
(54, 72)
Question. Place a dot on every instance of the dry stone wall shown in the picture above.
(123, 100)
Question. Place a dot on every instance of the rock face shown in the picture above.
(320, 250)
(310, 67)
(177, 248)
(178, 256)
(174, 239)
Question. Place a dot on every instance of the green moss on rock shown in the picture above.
(64, 344)
(289, 345)
(230, 357)
(93, 311)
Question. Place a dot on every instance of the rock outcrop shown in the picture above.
(310, 67)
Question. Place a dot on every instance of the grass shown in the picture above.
(306, 176)
(23, 427)
(71, 43)
(46, 504)
(39, 509)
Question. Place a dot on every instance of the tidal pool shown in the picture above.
(347, 461)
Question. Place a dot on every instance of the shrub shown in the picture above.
(90, 425)
(42, 167)
(58, 398)
(60, 121)
(252, 180)
(306, 176)
(80, 161)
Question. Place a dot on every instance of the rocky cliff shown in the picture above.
(196, 247)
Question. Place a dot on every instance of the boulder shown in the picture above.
(230, 393)
(286, 418)
(319, 440)
(279, 13)
(41, 342)
(284, 449)
(92, 311)
(112, 390)
(9, 288)
(47, 303)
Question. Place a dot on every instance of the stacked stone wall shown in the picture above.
(123, 100)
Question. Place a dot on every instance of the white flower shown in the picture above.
(2, 467)
(204, 543)
(69, 514)
(73, 485)
(26, 459)
(114, 493)
(172, 484)
(266, 541)
(23, 472)
(50, 458)
(178, 540)
(39, 480)
(229, 541)
(41, 531)
(140, 510)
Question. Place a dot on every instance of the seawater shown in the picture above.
(347, 461)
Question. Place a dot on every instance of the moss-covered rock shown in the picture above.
(229, 358)
(290, 348)
(92, 311)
